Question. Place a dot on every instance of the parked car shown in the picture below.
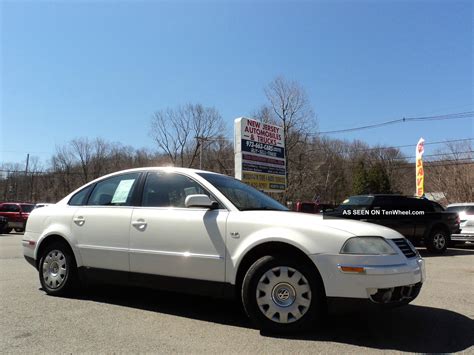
(3, 224)
(17, 214)
(466, 216)
(42, 204)
(420, 220)
(312, 207)
(205, 233)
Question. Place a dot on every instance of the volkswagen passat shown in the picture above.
(206, 233)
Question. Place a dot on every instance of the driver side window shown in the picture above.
(164, 189)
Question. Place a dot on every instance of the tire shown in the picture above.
(282, 295)
(57, 270)
(438, 240)
(7, 230)
(19, 230)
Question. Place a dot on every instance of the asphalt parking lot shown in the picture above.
(116, 319)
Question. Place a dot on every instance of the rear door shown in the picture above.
(393, 214)
(102, 227)
(425, 220)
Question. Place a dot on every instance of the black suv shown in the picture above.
(418, 219)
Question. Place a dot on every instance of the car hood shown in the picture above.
(298, 220)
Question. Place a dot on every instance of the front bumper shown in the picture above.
(384, 279)
(29, 245)
(462, 237)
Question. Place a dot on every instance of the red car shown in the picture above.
(17, 214)
(312, 207)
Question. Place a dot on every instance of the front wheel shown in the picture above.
(437, 241)
(57, 269)
(282, 295)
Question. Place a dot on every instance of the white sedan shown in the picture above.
(466, 216)
(201, 232)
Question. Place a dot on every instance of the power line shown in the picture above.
(451, 116)
(436, 155)
(401, 146)
(414, 145)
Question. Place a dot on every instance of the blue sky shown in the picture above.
(100, 69)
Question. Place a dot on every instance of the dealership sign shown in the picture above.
(420, 174)
(260, 155)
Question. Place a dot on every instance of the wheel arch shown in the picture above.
(271, 248)
(436, 226)
(48, 240)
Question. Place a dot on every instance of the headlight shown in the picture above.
(367, 246)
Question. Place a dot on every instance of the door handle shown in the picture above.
(79, 221)
(139, 224)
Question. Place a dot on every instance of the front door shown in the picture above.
(168, 239)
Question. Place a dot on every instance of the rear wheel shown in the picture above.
(7, 230)
(282, 295)
(57, 269)
(437, 241)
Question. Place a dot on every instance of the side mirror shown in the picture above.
(200, 201)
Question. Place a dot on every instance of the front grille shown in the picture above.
(396, 294)
(405, 247)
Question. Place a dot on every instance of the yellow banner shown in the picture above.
(263, 181)
(420, 178)
(420, 174)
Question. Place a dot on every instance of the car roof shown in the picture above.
(16, 203)
(166, 168)
(152, 168)
(460, 204)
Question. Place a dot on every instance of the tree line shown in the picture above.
(191, 135)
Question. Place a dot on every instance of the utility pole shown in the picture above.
(201, 143)
(26, 174)
(27, 163)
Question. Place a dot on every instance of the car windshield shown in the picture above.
(357, 201)
(456, 208)
(243, 196)
(27, 208)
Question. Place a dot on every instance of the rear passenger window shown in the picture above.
(114, 191)
(80, 198)
(10, 208)
(437, 207)
(418, 204)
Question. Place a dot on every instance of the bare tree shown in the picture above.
(290, 108)
(91, 155)
(180, 132)
(62, 163)
(452, 172)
